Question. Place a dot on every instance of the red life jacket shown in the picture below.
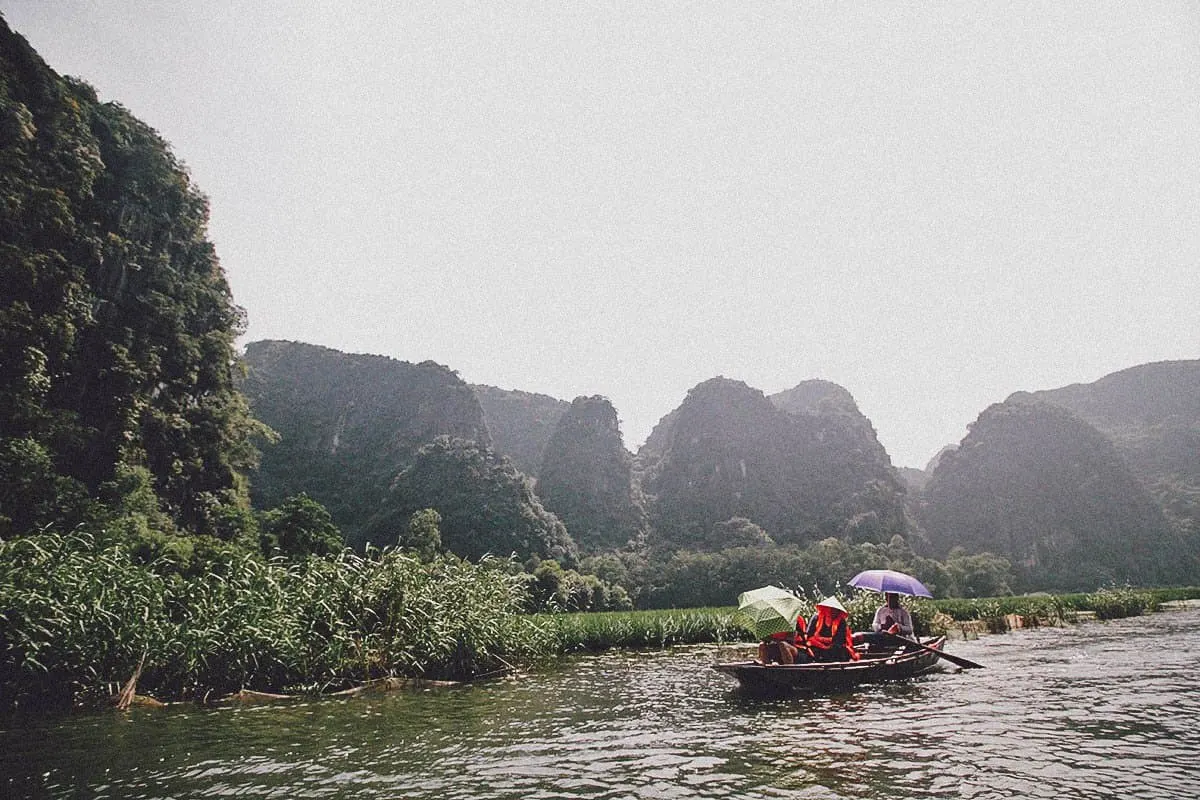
(822, 636)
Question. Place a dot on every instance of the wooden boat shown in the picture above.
(880, 662)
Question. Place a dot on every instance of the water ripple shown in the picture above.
(1097, 711)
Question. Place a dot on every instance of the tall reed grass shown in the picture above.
(639, 629)
(78, 618)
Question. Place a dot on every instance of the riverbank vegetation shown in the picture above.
(80, 615)
(640, 629)
(665, 627)
(83, 614)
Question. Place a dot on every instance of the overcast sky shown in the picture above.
(931, 204)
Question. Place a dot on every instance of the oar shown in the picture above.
(962, 662)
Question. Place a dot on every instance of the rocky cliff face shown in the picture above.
(817, 397)
(348, 424)
(1035, 483)
(520, 423)
(1151, 413)
(116, 321)
(587, 479)
(486, 505)
(803, 466)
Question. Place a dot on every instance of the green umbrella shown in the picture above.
(768, 610)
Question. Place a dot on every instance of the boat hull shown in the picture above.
(834, 676)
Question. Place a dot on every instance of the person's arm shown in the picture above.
(878, 623)
(904, 620)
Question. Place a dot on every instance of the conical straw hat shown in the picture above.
(833, 602)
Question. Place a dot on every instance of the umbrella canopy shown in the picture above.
(768, 610)
(889, 580)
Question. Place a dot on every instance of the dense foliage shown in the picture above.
(1039, 486)
(728, 451)
(299, 527)
(486, 505)
(587, 479)
(79, 617)
(688, 578)
(116, 322)
(348, 424)
(555, 589)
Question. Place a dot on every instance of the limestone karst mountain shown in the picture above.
(520, 423)
(348, 424)
(1151, 413)
(802, 465)
(1037, 484)
(587, 478)
(1072, 503)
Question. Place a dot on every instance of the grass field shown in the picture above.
(665, 627)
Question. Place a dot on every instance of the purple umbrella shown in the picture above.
(889, 580)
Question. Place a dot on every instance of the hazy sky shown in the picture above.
(931, 204)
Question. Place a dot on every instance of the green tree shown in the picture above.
(423, 535)
(738, 532)
(299, 527)
(978, 574)
(552, 588)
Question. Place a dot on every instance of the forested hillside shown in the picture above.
(520, 423)
(727, 482)
(116, 322)
(1040, 486)
(348, 424)
(587, 479)
(1152, 414)
(486, 506)
(804, 471)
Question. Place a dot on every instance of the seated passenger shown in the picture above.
(828, 634)
(893, 617)
(778, 648)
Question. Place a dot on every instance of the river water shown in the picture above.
(1100, 710)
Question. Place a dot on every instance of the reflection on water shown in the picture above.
(1096, 711)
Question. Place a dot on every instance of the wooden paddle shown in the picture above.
(959, 660)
